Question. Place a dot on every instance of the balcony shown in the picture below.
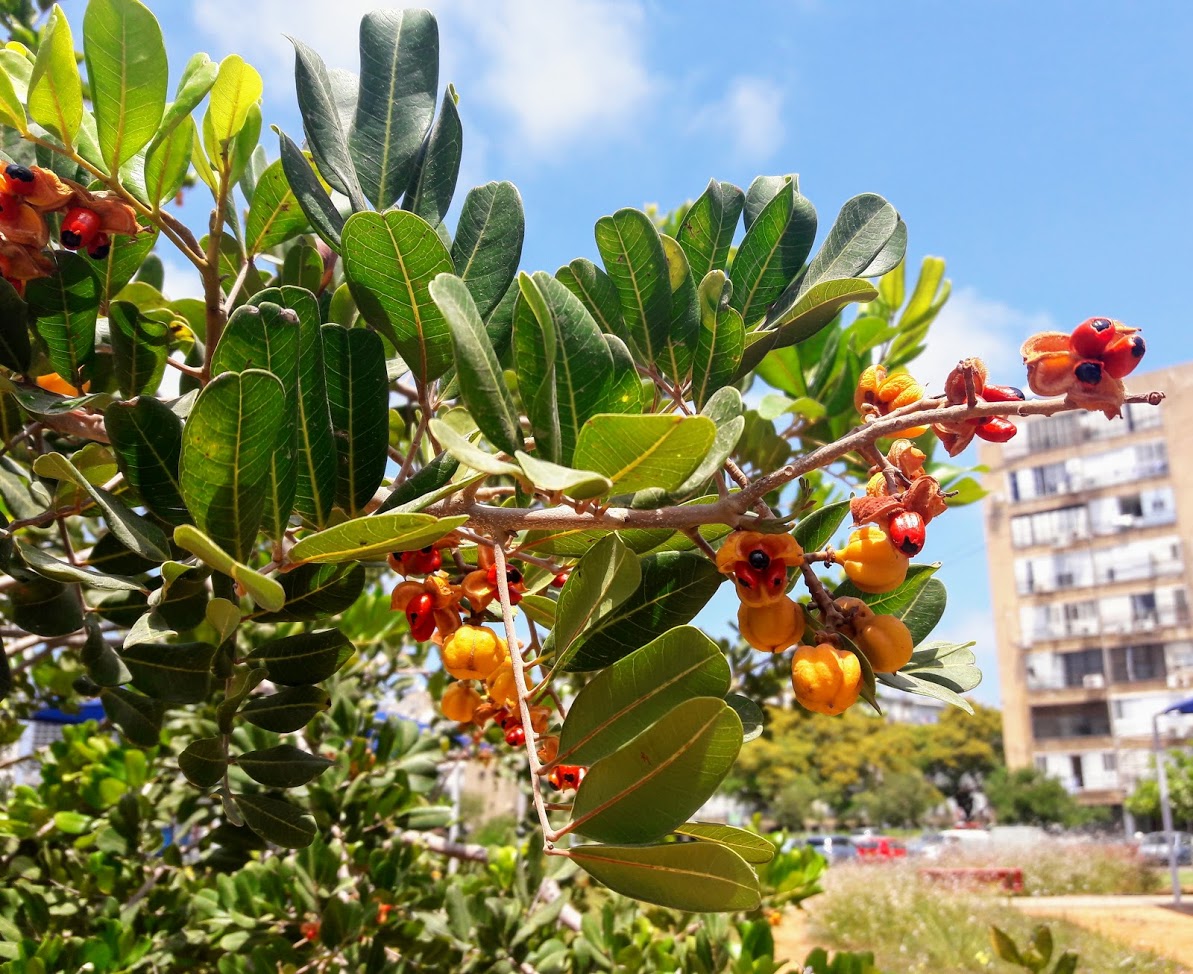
(1069, 721)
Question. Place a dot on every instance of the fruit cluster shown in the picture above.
(969, 381)
(89, 220)
(1087, 365)
(880, 393)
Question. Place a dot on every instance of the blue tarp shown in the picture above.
(91, 710)
(1184, 707)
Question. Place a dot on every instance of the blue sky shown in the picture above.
(1041, 148)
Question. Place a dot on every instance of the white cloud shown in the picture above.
(751, 116)
(558, 73)
(970, 325)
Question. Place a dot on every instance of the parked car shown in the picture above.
(879, 847)
(833, 847)
(1154, 847)
(927, 846)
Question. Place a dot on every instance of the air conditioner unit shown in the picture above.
(1093, 681)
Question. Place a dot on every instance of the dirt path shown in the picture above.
(793, 939)
(1149, 922)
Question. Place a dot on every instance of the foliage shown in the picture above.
(1144, 801)
(1027, 796)
(1066, 866)
(1035, 955)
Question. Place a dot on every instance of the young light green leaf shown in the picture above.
(238, 87)
(275, 215)
(721, 340)
(372, 537)
(266, 592)
(651, 784)
(688, 876)
(624, 699)
(12, 112)
(55, 89)
(470, 455)
(197, 78)
(168, 162)
(752, 847)
(578, 484)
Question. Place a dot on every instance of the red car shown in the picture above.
(876, 847)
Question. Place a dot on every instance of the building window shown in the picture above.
(1109, 761)
(1135, 664)
(1070, 720)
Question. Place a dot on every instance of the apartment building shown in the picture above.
(1089, 531)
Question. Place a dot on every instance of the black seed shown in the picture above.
(1100, 324)
(1089, 372)
(19, 172)
(758, 559)
(1137, 347)
(71, 239)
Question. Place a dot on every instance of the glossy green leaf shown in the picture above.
(12, 111)
(684, 330)
(632, 251)
(862, 229)
(127, 74)
(433, 477)
(638, 452)
(468, 454)
(675, 586)
(139, 717)
(147, 440)
(236, 424)
(125, 256)
(48, 566)
(721, 340)
(287, 710)
(238, 88)
(55, 89)
(196, 81)
(597, 293)
(725, 409)
(304, 658)
(318, 591)
(399, 73)
(626, 698)
(816, 530)
(372, 537)
(104, 666)
(707, 229)
(687, 876)
(277, 821)
(753, 720)
(204, 762)
(282, 766)
(15, 350)
(624, 392)
(275, 215)
(482, 382)
(140, 345)
(171, 673)
(753, 848)
(438, 165)
(534, 350)
(168, 164)
(314, 200)
(324, 126)
(357, 387)
(651, 784)
(816, 307)
(607, 575)
(390, 260)
(66, 306)
(761, 191)
(773, 251)
(266, 592)
(316, 451)
(488, 242)
(891, 254)
(137, 533)
(45, 607)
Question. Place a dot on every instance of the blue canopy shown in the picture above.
(1184, 707)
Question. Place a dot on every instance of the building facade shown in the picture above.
(1089, 531)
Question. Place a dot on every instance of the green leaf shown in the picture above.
(597, 293)
(684, 330)
(135, 532)
(466, 453)
(236, 424)
(817, 529)
(919, 602)
(139, 717)
(624, 699)
(753, 848)
(579, 484)
(534, 352)
(707, 229)
(372, 537)
(317, 592)
(237, 89)
(287, 710)
(890, 256)
(761, 191)
(488, 243)
(651, 784)
(438, 165)
(61, 571)
(939, 670)
(283, 766)
(168, 163)
(725, 409)
(277, 821)
(316, 456)
(266, 592)
(390, 260)
(55, 89)
(815, 308)
(357, 393)
(773, 251)
(147, 440)
(675, 586)
(315, 201)
(104, 666)
(324, 126)
(45, 607)
(65, 306)
(426, 482)
(482, 382)
(304, 658)
(1066, 963)
(686, 876)
(1005, 947)
(399, 73)
(632, 251)
(607, 575)
(125, 256)
(861, 231)
(170, 672)
(721, 340)
(140, 345)
(204, 762)
(127, 73)
(16, 353)
(197, 79)
(275, 215)
(641, 451)
(753, 720)
(12, 111)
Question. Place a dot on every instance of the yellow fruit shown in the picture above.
(459, 702)
(473, 653)
(857, 615)
(501, 686)
(773, 627)
(826, 679)
(871, 562)
(886, 642)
